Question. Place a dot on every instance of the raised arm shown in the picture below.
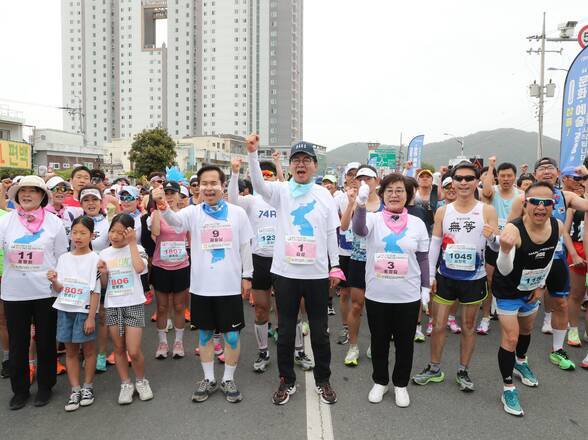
(279, 171)
(260, 186)
(488, 180)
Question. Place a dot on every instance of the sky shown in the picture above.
(372, 69)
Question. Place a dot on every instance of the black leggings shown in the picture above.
(386, 320)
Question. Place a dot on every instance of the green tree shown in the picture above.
(152, 150)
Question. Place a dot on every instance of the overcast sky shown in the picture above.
(372, 69)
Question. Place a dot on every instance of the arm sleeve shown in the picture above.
(333, 247)
(177, 219)
(359, 221)
(246, 259)
(434, 255)
(260, 186)
(505, 262)
(423, 260)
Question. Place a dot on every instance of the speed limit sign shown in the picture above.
(583, 36)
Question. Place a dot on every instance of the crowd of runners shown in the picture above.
(416, 256)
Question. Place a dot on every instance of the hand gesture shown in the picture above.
(408, 165)
(508, 239)
(276, 156)
(577, 260)
(52, 276)
(252, 142)
(130, 236)
(102, 267)
(488, 230)
(158, 195)
(363, 194)
(492, 161)
(236, 165)
(352, 195)
(443, 169)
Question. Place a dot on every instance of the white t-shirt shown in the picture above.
(216, 264)
(301, 248)
(28, 257)
(392, 273)
(101, 241)
(263, 219)
(345, 238)
(124, 284)
(79, 276)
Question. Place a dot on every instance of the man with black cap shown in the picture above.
(558, 280)
(306, 240)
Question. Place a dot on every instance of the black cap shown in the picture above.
(303, 147)
(171, 185)
(545, 161)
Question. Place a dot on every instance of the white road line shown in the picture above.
(318, 415)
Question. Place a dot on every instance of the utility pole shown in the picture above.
(541, 90)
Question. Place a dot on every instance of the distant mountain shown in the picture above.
(508, 144)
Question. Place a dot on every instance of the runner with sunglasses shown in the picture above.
(558, 282)
(527, 248)
(460, 233)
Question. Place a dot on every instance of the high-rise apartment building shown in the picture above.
(194, 67)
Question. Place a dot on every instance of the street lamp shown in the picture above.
(458, 139)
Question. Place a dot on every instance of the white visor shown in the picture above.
(368, 172)
(90, 192)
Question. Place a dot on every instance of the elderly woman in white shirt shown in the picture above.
(32, 240)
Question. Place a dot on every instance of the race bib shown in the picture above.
(390, 266)
(531, 279)
(348, 235)
(172, 251)
(75, 292)
(460, 257)
(300, 249)
(266, 237)
(25, 257)
(362, 244)
(120, 282)
(216, 236)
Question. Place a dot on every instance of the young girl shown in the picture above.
(78, 290)
(121, 266)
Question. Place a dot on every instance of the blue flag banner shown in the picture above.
(574, 122)
(414, 153)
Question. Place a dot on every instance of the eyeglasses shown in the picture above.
(579, 178)
(397, 192)
(126, 198)
(536, 201)
(546, 168)
(59, 188)
(305, 160)
(466, 178)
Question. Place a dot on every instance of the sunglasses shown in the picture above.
(267, 173)
(126, 198)
(59, 188)
(194, 185)
(579, 178)
(466, 178)
(536, 201)
(156, 181)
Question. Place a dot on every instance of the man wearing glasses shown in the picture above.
(558, 281)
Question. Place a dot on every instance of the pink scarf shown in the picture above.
(59, 213)
(395, 222)
(32, 220)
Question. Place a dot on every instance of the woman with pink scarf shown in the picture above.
(32, 241)
(397, 280)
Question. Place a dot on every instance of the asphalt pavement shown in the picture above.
(558, 408)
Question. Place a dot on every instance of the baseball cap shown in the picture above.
(570, 172)
(303, 147)
(90, 192)
(171, 185)
(545, 161)
(184, 191)
(447, 181)
(56, 180)
(330, 178)
(130, 190)
(367, 172)
(424, 171)
(351, 166)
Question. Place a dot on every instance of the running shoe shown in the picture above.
(232, 393)
(162, 351)
(463, 380)
(561, 359)
(584, 306)
(154, 316)
(510, 400)
(377, 392)
(584, 363)
(523, 372)
(5, 372)
(452, 325)
(218, 349)
(352, 357)
(546, 327)
(262, 362)
(273, 333)
(327, 393)
(178, 350)
(144, 390)
(192, 327)
(305, 328)
(484, 327)
(87, 396)
(283, 393)
(418, 335)
(331, 311)
(428, 375)
(74, 401)
(574, 337)
(343, 337)
(401, 397)
(61, 368)
(110, 360)
(429, 330)
(204, 389)
(169, 326)
(125, 396)
(368, 352)
(187, 316)
(303, 361)
(101, 363)
(148, 297)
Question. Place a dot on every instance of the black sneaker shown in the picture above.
(463, 380)
(43, 397)
(5, 372)
(74, 401)
(204, 388)
(87, 396)
(19, 401)
(327, 393)
(283, 393)
(232, 393)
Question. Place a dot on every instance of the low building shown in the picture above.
(11, 124)
(59, 150)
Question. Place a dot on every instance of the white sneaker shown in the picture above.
(546, 328)
(402, 398)
(126, 393)
(170, 325)
(352, 357)
(377, 393)
(144, 389)
(484, 327)
(368, 352)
